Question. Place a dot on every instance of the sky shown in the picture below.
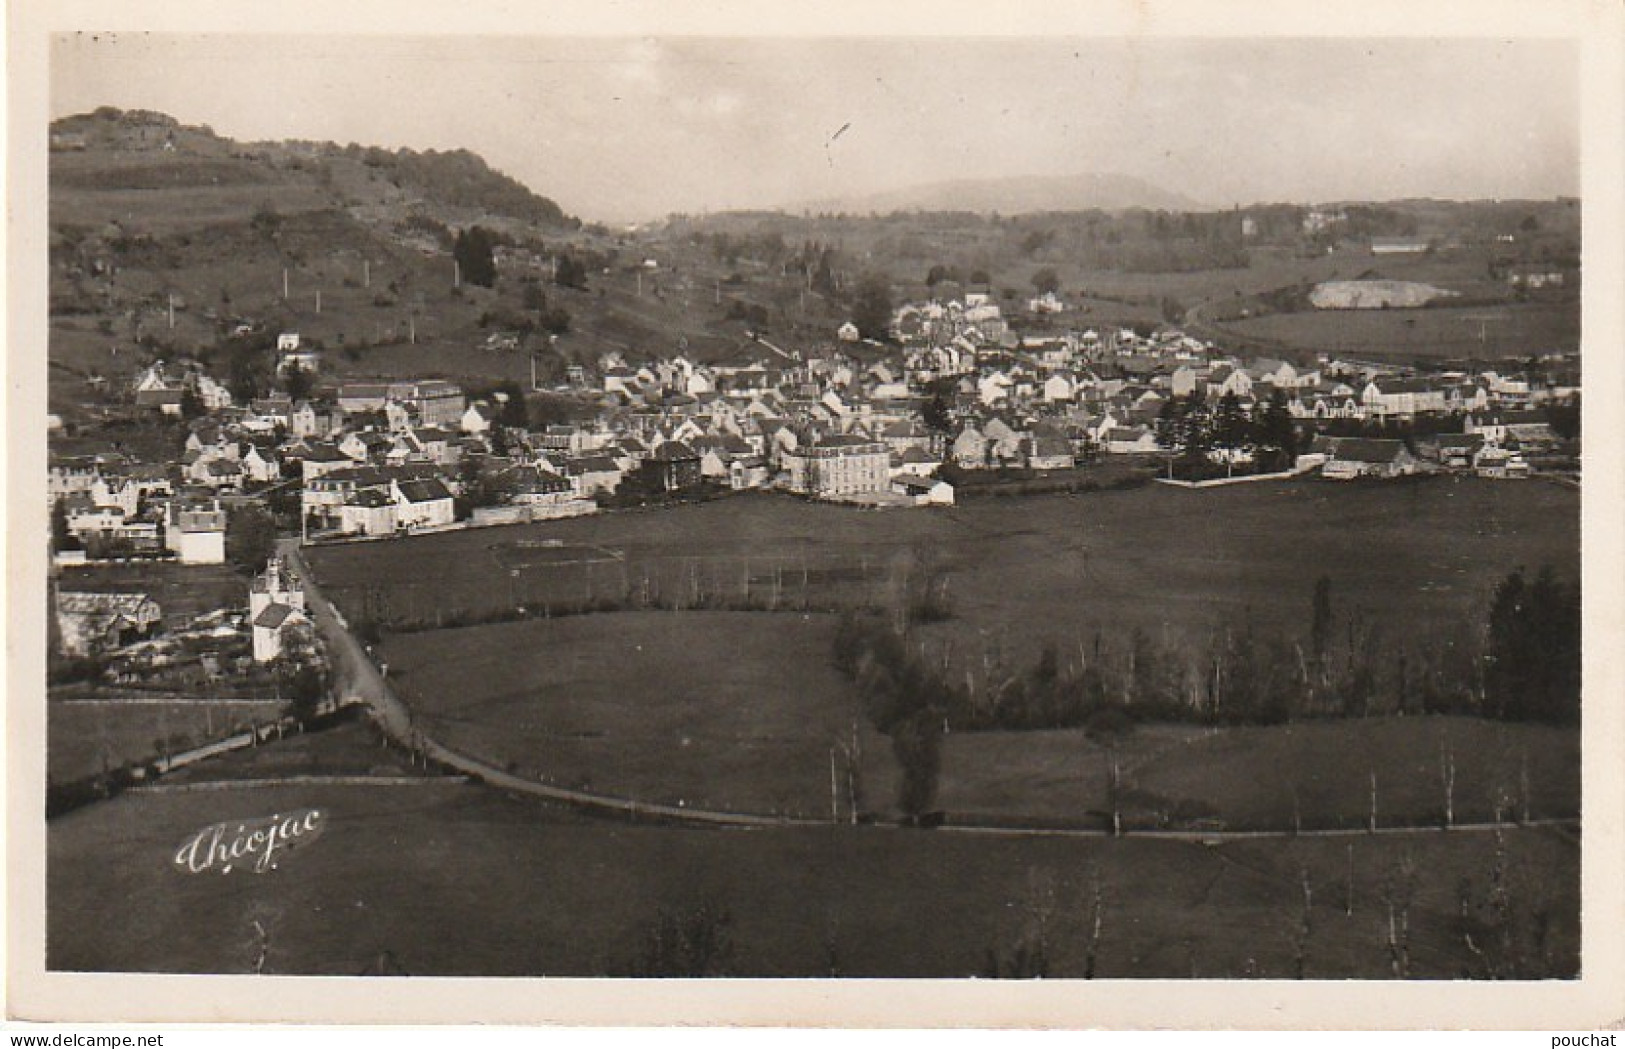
(634, 128)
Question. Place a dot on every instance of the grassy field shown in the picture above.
(1019, 573)
(1483, 332)
(1272, 268)
(453, 880)
(1316, 773)
(350, 747)
(90, 738)
(681, 708)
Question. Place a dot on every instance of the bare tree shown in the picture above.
(1095, 915)
(1305, 924)
(1348, 884)
(1447, 777)
(1398, 893)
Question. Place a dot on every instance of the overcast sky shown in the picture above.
(630, 129)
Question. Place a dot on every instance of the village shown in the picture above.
(957, 399)
(811, 508)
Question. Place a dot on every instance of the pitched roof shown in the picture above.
(158, 397)
(1366, 449)
(369, 499)
(423, 491)
(591, 464)
(669, 451)
(273, 615)
(90, 602)
(844, 440)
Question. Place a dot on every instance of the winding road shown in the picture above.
(356, 679)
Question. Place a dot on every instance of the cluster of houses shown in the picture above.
(842, 421)
(1045, 401)
(129, 631)
(116, 507)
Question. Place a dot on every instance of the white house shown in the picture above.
(420, 504)
(368, 512)
(268, 626)
(924, 491)
(196, 532)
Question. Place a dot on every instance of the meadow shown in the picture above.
(700, 709)
(1482, 333)
(743, 712)
(1017, 573)
(460, 881)
(92, 737)
(1310, 774)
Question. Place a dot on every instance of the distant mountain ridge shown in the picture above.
(1012, 195)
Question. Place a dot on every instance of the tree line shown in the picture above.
(1521, 664)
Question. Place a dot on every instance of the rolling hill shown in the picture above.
(166, 238)
(1013, 195)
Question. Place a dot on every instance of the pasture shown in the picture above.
(1315, 774)
(461, 881)
(1271, 268)
(1018, 573)
(1482, 332)
(92, 737)
(723, 710)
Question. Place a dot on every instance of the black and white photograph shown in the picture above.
(1027, 507)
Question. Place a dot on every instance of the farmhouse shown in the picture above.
(1401, 397)
(533, 486)
(672, 466)
(367, 512)
(924, 491)
(970, 448)
(422, 503)
(1048, 453)
(916, 462)
(95, 622)
(594, 473)
(314, 419)
(1454, 450)
(1130, 440)
(435, 402)
(1350, 457)
(167, 402)
(1499, 463)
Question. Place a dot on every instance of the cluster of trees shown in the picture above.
(570, 272)
(1523, 665)
(903, 697)
(302, 673)
(474, 251)
(1532, 670)
(942, 273)
(767, 247)
(462, 179)
(1194, 426)
(250, 537)
(872, 307)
